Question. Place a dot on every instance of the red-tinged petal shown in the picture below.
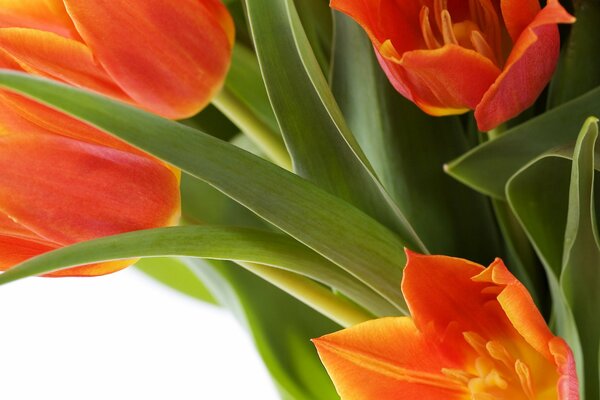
(68, 191)
(44, 15)
(19, 114)
(52, 56)
(518, 14)
(568, 384)
(443, 298)
(394, 20)
(16, 250)
(385, 359)
(448, 80)
(170, 60)
(527, 71)
(519, 307)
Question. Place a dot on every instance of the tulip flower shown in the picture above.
(61, 188)
(64, 181)
(474, 333)
(449, 56)
(167, 59)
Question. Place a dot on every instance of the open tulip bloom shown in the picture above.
(299, 148)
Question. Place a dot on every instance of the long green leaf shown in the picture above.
(580, 278)
(322, 147)
(335, 229)
(205, 241)
(488, 167)
(578, 71)
(407, 149)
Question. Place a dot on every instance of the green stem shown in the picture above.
(260, 133)
(312, 294)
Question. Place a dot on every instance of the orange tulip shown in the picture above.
(451, 56)
(475, 333)
(165, 58)
(64, 181)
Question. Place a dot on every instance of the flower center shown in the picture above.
(482, 32)
(496, 374)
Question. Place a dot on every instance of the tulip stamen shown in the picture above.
(430, 40)
(438, 7)
(485, 16)
(524, 375)
(482, 46)
(448, 29)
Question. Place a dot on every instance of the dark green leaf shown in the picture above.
(488, 167)
(322, 147)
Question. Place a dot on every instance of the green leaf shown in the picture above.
(552, 198)
(407, 149)
(245, 82)
(175, 274)
(205, 241)
(321, 145)
(488, 167)
(580, 277)
(578, 71)
(280, 325)
(315, 16)
(333, 228)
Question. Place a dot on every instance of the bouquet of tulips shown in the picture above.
(397, 197)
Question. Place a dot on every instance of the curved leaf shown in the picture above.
(333, 228)
(488, 167)
(205, 241)
(322, 148)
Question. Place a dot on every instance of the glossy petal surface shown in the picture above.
(68, 191)
(170, 60)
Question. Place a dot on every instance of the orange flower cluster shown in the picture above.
(64, 181)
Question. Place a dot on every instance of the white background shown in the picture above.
(121, 337)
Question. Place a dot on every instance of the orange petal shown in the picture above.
(518, 14)
(519, 307)
(385, 359)
(15, 250)
(19, 114)
(170, 60)
(448, 80)
(44, 15)
(55, 57)
(527, 71)
(393, 20)
(568, 384)
(443, 298)
(67, 191)
(93, 269)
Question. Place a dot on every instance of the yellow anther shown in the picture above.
(448, 29)
(524, 375)
(476, 342)
(426, 30)
(499, 352)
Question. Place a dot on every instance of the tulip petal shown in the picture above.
(170, 60)
(393, 20)
(527, 71)
(44, 15)
(385, 359)
(19, 114)
(518, 14)
(15, 250)
(68, 191)
(568, 384)
(455, 303)
(55, 57)
(519, 307)
(448, 80)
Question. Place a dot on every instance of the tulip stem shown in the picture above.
(260, 133)
(317, 296)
